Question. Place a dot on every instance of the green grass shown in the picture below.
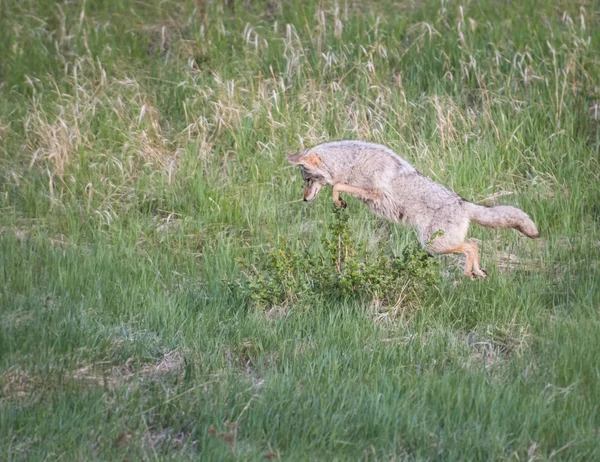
(137, 181)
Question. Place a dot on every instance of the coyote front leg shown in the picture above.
(354, 190)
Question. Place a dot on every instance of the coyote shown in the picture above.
(396, 191)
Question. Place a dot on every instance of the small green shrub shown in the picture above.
(345, 269)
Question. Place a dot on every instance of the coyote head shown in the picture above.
(312, 173)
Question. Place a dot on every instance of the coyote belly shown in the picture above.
(393, 189)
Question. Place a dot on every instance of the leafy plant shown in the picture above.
(344, 269)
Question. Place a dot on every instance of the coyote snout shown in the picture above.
(395, 190)
(312, 185)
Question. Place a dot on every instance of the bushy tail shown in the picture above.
(504, 216)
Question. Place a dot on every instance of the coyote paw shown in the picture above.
(480, 274)
(341, 204)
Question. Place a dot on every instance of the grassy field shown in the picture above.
(142, 168)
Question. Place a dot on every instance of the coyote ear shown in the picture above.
(295, 159)
(310, 160)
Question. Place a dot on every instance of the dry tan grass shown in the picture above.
(18, 384)
(116, 376)
(497, 345)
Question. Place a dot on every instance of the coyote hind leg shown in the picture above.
(472, 268)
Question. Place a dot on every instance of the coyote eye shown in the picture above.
(305, 175)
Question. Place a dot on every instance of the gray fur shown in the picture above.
(405, 195)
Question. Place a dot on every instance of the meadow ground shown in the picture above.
(142, 165)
